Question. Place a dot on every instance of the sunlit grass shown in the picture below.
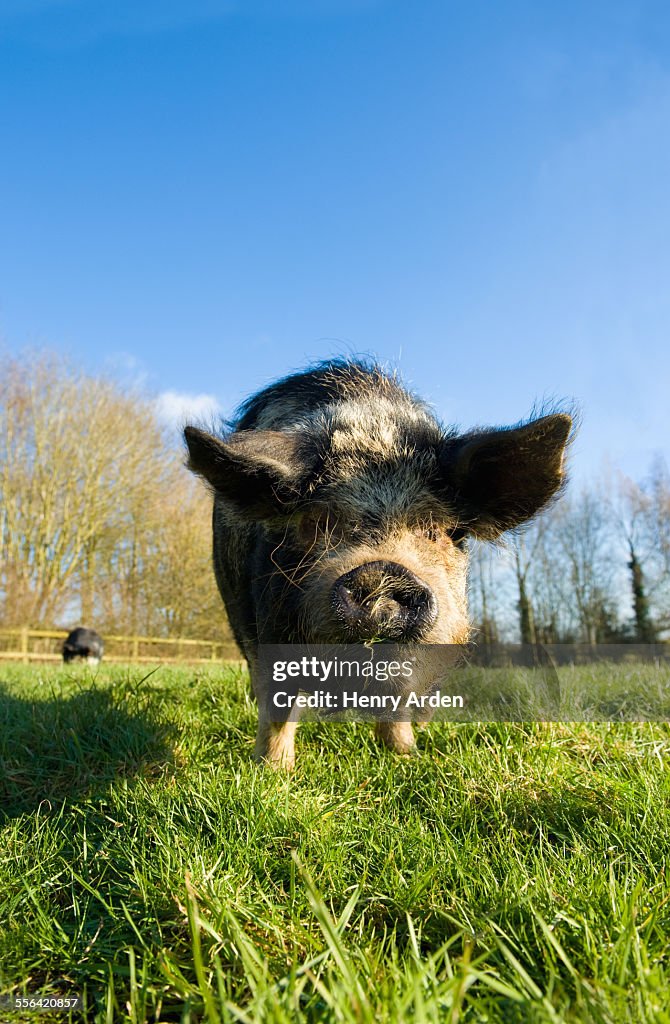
(511, 872)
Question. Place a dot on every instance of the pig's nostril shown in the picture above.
(384, 599)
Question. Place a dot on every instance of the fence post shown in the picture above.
(213, 652)
(136, 648)
(24, 645)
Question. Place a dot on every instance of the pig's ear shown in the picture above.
(259, 471)
(500, 478)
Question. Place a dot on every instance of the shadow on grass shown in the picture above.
(66, 746)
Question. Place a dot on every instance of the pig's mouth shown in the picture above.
(383, 601)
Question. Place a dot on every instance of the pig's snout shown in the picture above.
(384, 600)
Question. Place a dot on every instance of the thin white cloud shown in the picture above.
(175, 408)
(128, 370)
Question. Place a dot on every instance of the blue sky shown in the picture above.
(202, 195)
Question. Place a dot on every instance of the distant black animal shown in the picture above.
(83, 645)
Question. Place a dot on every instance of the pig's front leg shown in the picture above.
(398, 736)
(275, 743)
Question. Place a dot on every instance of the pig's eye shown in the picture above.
(430, 532)
(316, 525)
(440, 535)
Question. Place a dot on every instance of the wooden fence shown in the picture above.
(46, 645)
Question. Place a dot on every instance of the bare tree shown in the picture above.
(584, 533)
(98, 517)
(524, 546)
(642, 512)
(57, 481)
(550, 586)
(634, 519)
(484, 592)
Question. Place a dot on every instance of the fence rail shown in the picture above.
(28, 645)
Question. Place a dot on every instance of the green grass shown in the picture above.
(510, 873)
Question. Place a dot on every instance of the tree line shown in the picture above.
(593, 569)
(100, 522)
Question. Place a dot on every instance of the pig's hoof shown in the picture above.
(278, 764)
(405, 750)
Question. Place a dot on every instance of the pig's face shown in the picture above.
(362, 523)
(408, 584)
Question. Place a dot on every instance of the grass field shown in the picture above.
(511, 872)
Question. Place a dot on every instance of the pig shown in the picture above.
(83, 644)
(342, 512)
